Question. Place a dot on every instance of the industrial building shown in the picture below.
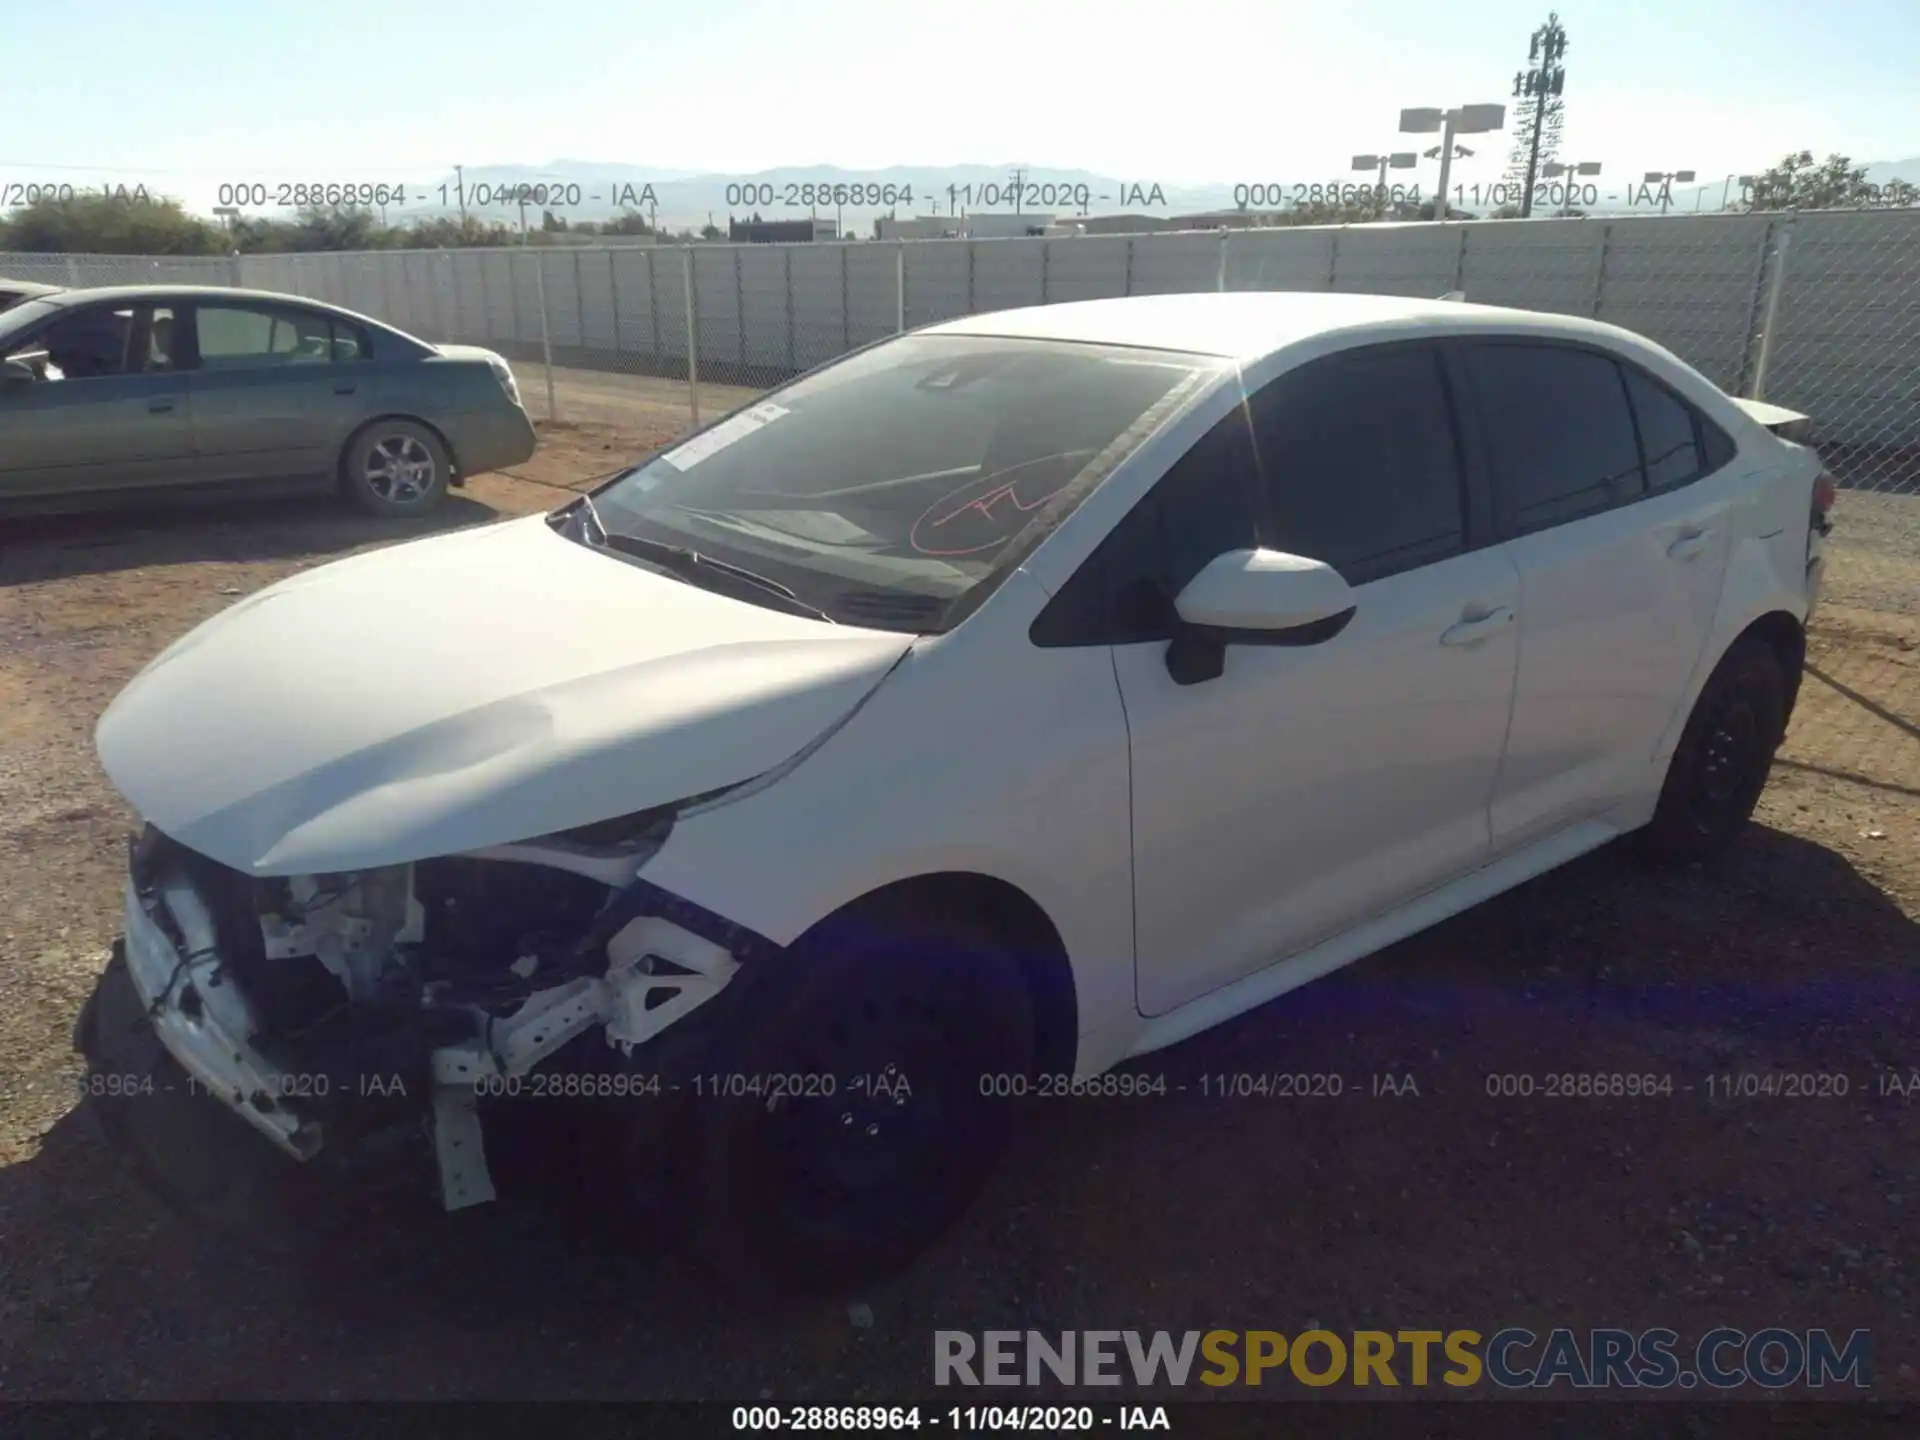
(993, 225)
(780, 232)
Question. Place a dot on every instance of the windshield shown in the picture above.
(883, 489)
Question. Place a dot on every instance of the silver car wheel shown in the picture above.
(399, 469)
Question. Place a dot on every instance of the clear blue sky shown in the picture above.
(184, 94)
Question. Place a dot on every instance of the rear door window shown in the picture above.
(1560, 437)
(350, 342)
(254, 336)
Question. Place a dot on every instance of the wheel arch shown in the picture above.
(1787, 636)
(1017, 921)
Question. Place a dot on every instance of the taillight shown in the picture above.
(1824, 492)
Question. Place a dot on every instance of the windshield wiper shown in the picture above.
(689, 563)
(682, 560)
(580, 516)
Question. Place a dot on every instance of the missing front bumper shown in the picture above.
(186, 986)
(201, 1016)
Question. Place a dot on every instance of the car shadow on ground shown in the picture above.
(1441, 1201)
(179, 532)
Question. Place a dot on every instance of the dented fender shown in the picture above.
(1029, 787)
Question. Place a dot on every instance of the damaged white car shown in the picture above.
(997, 703)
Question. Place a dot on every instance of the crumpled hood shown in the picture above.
(469, 689)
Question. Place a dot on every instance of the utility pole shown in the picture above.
(460, 190)
(1019, 182)
(1544, 83)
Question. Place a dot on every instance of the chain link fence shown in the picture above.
(1817, 311)
(89, 270)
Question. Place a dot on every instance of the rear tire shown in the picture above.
(1722, 761)
(395, 469)
(905, 1020)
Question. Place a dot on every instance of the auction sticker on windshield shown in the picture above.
(712, 442)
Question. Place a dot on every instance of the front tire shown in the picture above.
(1722, 761)
(905, 1019)
(395, 469)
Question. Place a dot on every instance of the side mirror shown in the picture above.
(1255, 597)
(17, 375)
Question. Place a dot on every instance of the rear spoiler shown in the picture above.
(1787, 424)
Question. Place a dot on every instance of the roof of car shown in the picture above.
(27, 288)
(1246, 324)
(143, 292)
(131, 293)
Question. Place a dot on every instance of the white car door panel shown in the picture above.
(1614, 611)
(1310, 785)
(1308, 788)
(1619, 582)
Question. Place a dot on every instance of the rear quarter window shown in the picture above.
(1680, 443)
(1559, 432)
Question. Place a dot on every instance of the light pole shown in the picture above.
(1398, 160)
(1466, 120)
(1553, 170)
(1664, 179)
(1746, 184)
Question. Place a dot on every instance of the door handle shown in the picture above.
(161, 406)
(1688, 546)
(345, 389)
(1477, 627)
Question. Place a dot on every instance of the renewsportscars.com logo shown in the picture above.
(1511, 1359)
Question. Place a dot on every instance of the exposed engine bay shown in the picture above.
(326, 1008)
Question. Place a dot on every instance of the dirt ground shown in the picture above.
(1444, 1209)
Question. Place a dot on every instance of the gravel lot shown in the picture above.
(1445, 1209)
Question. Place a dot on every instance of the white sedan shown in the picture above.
(997, 703)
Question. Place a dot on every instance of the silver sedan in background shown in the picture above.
(106, 392)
